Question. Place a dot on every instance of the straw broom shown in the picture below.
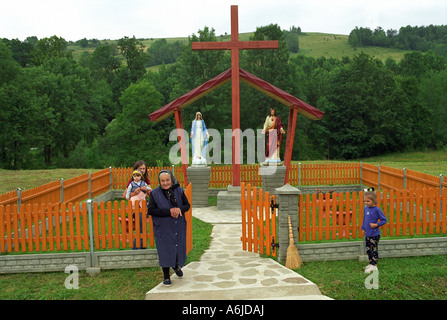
(293, 260)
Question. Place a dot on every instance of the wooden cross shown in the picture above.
(235, 45)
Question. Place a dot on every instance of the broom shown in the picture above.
(293, 260)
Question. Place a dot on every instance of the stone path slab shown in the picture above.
(226, 272)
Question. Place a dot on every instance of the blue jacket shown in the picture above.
(169, 233)
(372, 215)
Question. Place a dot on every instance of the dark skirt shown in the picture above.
(170, 238)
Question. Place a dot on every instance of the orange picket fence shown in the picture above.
(258, 221)
(250, 174)
(90, 185)
(334, 216)
(324, 174)
(417, 180)
(24, 214)
(113, 223)
(44, 227)
(71, 190)
(313, 174)
(222, 175)
(387, 178)
(299, 174)
(10, 197)
(370, 175)
(61, 227)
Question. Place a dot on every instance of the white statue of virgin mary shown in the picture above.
(199, 140)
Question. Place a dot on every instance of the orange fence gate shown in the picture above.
(258, 221)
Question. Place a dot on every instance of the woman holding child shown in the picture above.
(140, 166)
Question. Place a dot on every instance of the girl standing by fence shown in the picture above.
(373, 218)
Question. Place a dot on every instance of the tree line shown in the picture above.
(59, 112)
(423, 38)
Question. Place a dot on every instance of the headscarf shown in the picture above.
(169, 193)
(197, 113)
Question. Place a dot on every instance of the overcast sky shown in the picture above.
(113, 19)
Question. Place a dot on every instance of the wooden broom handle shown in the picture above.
(290, 232)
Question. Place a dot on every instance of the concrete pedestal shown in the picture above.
(199, 177)
(272, 177)
(230, 199)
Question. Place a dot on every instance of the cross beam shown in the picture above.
(235, 45)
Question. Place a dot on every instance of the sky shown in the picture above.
(113, 19)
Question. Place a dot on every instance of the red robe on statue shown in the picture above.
(272, 123)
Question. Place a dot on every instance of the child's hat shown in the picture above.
(137, 172)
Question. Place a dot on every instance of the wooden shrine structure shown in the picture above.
(235, 74)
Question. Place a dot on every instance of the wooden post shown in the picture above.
(181, 139)
(291, 126)
(235, 101)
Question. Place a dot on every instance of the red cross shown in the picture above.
(235, 45)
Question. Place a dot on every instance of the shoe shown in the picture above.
(178, 271)
(368, 268)
(167, 282)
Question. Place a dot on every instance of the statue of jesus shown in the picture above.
(273, 128)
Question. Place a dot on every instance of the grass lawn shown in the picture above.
(411, 278)
(123, 284)
(336, 46)
(28, 179)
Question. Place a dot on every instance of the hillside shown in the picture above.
(311, 44)
(337, 46)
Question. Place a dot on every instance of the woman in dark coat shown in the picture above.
(167, 206)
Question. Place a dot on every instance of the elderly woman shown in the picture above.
(167, 206)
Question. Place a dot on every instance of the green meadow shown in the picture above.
(312, 44)
(337, 46)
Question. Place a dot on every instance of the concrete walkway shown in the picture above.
(226, 272)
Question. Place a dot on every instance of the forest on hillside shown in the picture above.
(420, 38)
(92, 112)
